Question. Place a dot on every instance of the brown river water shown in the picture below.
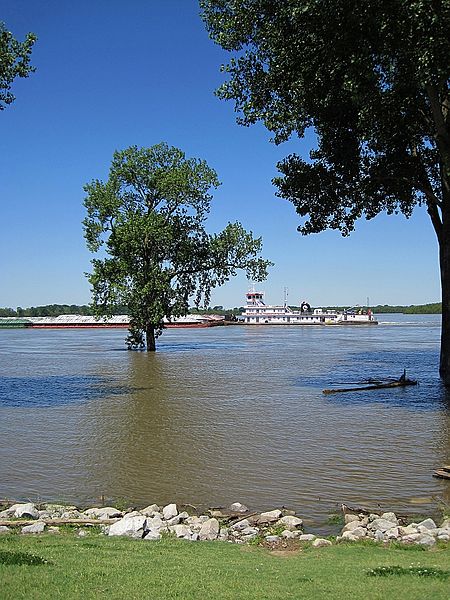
(226, 414)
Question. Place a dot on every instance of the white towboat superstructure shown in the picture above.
(258, 313)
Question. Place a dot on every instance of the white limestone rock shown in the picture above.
(307, 537)
(349, 537)
(379, 536)
(170, 511)
(104, 512)
(352, 525)
(390, 516)
(250, 531)
(380, 525)
(25, 511)
(152, 535)
(194, 523)
(408, 530)
(156, 523)
(238, 507)
(410, 538)
(181, 531)
(423, 529)
(348, 518)
(44, 514)
(240, 525)
(4, 530)
(132, 513)
(203, 518)
(427, 523)
(392, 534)
(288, 534)
(321, 543)
(270, 516)
(290, 522)
(151, 510)
(129, 526)
(37, 527)
(209, 529)
(425, 540)
(358, 532)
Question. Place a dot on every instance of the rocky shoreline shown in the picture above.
(235, 524)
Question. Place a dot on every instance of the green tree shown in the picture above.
(372, 79)
(14, 62)
(149, 217)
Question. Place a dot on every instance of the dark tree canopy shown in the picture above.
(14, 62)
(149, 217)
(372, 79)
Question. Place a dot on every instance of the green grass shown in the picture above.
(419, 571)
(101, 567)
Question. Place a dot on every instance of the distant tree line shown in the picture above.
(419, 309)
(54, 310)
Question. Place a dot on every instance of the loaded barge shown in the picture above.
(117, 321)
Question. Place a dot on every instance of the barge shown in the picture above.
(115, 322)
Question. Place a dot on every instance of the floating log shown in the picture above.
(376, 386)
(442, 473)
(21, 522)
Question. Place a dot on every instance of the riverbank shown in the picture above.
(236, 524)
(59, 551)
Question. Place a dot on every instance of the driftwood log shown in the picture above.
(22, 522)
(377, 386)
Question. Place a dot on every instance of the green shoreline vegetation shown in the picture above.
(68, 566)
(54, 310)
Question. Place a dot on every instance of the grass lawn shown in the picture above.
(101, 567)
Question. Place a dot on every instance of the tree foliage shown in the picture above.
(372, 80)
(14, 62)
(149, 217)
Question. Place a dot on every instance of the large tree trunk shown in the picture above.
(150, 338)
(444, 259)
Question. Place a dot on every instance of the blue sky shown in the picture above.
(111, 74)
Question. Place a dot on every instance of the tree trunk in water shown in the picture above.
(150, 338)
(444, 259)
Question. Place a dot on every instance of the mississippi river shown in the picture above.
(226, 414)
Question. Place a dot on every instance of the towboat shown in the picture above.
(258, 313)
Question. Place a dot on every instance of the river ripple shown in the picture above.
(225, 414)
